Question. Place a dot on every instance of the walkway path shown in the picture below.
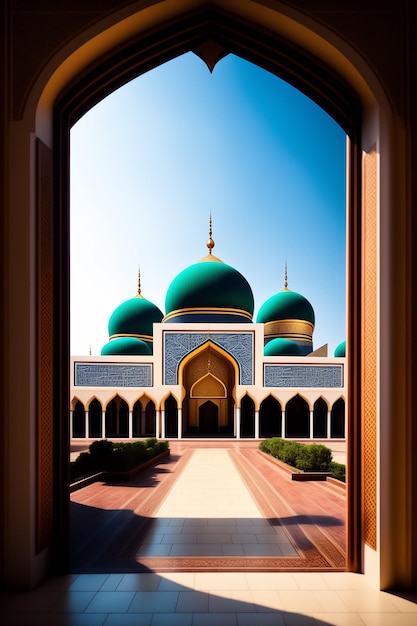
(212, 506)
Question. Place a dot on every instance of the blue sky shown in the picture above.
(152, 160)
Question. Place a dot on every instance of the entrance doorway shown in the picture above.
(208, 418)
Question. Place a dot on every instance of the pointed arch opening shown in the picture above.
(78, 420)
(297, 418)
(270, 418)
(337, 423)
(171, 417)
(117, 418)
(247, 417)
(320, 413)
(209, 381)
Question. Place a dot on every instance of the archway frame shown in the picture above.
(323, 66)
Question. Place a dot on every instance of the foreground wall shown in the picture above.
(47, 49)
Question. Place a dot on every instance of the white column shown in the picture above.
(284, 425)
(179, 423)
(311, 424)
(162, 424)
(130, 425)
(103, 424)
(256, 424)
(71, 424)
(329, 421)
(237, 422)
(157, 423)
(87, 424)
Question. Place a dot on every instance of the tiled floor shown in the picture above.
(208, 599)
(208, 502)
(210, 512)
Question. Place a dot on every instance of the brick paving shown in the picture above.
(117, 527)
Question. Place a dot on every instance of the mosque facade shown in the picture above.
(207, 369)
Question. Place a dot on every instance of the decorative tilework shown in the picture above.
(113, 375)
(326, 376)
(178, 345)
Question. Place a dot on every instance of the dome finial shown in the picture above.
(139, 287)
(286, 276)
(90, 352)
(210, 242)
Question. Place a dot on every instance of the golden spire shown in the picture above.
(139, 294)
(139, 289)
(90, 353)
(210, 246)
(210, 242)
(286, 277)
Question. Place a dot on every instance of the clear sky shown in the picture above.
(152, 160)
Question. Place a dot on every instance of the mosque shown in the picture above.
(206, 369)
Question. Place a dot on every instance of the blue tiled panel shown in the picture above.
(112, 375)
(178, 345)
(303, 376)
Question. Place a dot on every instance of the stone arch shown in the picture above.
(320, 411)
(117, 417)
(297, 418)
(95, 421)
(270, 417)
(170, 405)
(337, 421)
(322, 49)
(247, 416)
(78, 420)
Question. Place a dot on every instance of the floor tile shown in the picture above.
(173, 619)
(139, 582)
(89, 582)
(154, 602)
(177, 581)
(206, 581)
(260, 619)
(388, 619)
(193, 602)
(302, 601)
(369, 600)
(215, 619)
(129, 619)
(340, 619)
(115, 602)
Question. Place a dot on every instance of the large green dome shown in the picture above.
(209, 290)
(135, 317)
(286, 305)
(126, 346)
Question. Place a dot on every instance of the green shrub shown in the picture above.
(306, 457)
(102, 454)
(108, 456)
(338, 471)
(290, 452)
(82, 466)
(314, 458)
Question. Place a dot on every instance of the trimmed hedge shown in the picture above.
(307, 457)
(109, 456)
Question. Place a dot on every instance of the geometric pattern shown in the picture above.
(369, 347)
(113, 375)
(178, 345)
(44, 349)
(326, 376)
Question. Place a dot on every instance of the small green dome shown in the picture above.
(282, 347)
(286, 305)
(209, 290)
(340, 350)
(126, 346)
(135, 317)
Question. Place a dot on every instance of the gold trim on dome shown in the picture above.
(142, 337)
(289, 328)
(209, 310)
(210, 257)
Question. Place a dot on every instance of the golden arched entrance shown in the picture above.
(209, 381)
